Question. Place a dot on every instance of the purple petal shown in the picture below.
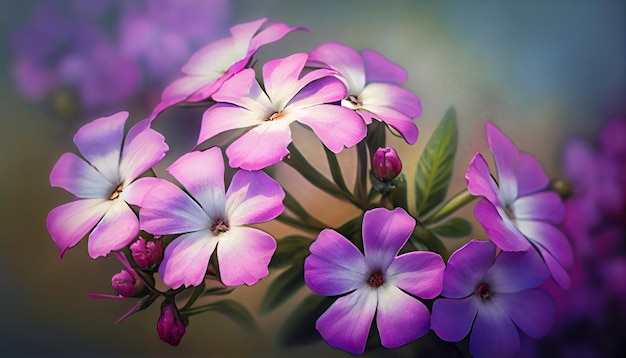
(543, 206)
(244, 254)
(384, 234)
(214, 59)
(166, 209)
(501, 231)
(253, 197)
(505, 154)
(79, 178)
(337, 127)
(118, 227)
(244, 91)
(261, 146)
(137, 190)
(223, 117)
(318, 91)
(549, 237)
(346, 323)
(344, 60)
(516, 271)
(396, 120)
(281, 78)
(418, 273)
(452, 318)
(100, 142)
(379, 69)
(242, 34)
(467, 267)
(186, 259)
(533, 311)
(560, 276)
(70, 222)
(202, 174)
(479, 180)
(400, 318)
(493, 335)
(376, 95)
(530, 175)
(272, 33)
(143, 151)
(335, 265)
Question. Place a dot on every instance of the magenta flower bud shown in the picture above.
(127, 284)
(170, 326)
(146, 253)
(386, 164)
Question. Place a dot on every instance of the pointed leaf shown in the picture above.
(283, 287)
(455, 227)
(230, 308)
(299, 327)
(422, 236)
(434, 169)
(289, 249)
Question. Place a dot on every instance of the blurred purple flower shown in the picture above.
(519, 211)
(378, 283)
(493, 296)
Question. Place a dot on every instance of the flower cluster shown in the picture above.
(186, 235)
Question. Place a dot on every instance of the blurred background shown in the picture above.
(543, 71)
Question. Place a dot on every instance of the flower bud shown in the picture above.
(146, 253)
(170, 326)
(127, 284)
(386, 164)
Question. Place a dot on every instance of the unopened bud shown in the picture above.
(127, 284)
(386, 164)
(146, 253)
(170, 326)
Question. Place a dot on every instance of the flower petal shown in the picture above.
(253, 197)
(344, 60)
(533, 311)
(186, 259)
(530, 175)
(559, 274)
(214, 59)
(400, 318)
(501, 231)
(79, 178)
(505, 154)
(261, 146)
(467, 267)
(376, 95)
(137, 190)
(244, 91)
(272, 33)
(280, 78)
(418, 273)
(70, 222)
(143, 151)
(337, 127)
(384, 234)
(346, 323)
(244, 254)
(118, 227)
(335, 265)
(396, 120)
(452, 318)
(543, 206)
(379, 69)
(494, 335)
(223, 117)
(516, 271)
(479, 180)
(318, 91)
(551, 238)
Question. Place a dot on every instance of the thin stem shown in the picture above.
(455, 203)
(360, 186)
(299, 224)
(197, 291)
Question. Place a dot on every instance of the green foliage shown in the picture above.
(230, 308)
(455, 227)
(289, 249)
(299, 327)
(283, 287)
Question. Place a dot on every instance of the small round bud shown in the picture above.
(386, 164)
(127, 284)
(146, 253)
(169, 326)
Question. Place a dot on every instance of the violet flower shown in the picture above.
(104, 183)
(519, 211)
(375, 283)
(371, 81)
(493, 296)
(287, 98)
(208, 217)
(170, 326)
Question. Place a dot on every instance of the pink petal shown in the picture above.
(137, 190)
(186, 259)
(100, 142)
(223, 117)
(418, 273)
(379, 69)
(118, 227)
(244, 254)
(533, 311)
(384, 234)
(242, 34)
(79, 178)
(166, 209)
(376, 95)
(261, 146)
(551, 238)
(320, 90)
(253, 197)
(516, 271)
(346, 323)
(505, 154)
(214, 59)
(543, 206)
(397, 121)
(494, 335)
(400, 318)
(344, 60)
(280, 78)
(479, 180)
(452, 318)
(530, 175)
(141, 153)
(335, 265)
(501, 231)
(337, 127)
(70, 222)
(272, 33)
(202, 174)
(244, 91)
(467, 267)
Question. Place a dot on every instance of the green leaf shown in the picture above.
(335, 170)
(299, 327)
(455, 227)
(283, 287)
(230, 308)
(290, 249)
(434, 169)
(218, 291)
(399, 194)
(423, 237)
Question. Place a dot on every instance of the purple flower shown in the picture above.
(386, 164)
(208, 217)
(287, 98)
(494, 297)
(519, 212)
(370, 79)
(170, 326)
(104, 184)
(209, 67)
(378, 283)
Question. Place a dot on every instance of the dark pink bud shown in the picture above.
(146, 253)
(386, 164)
(169, 326)
(127, 284)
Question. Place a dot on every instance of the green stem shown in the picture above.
(197, 291)
(299, 224)
(455, 203)
(360, 186)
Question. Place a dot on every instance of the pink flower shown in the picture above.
(104, 184)
(370, 79)
(378, 283)
(287, 98)
(519, 211)
(212, 65)
(208, 217)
